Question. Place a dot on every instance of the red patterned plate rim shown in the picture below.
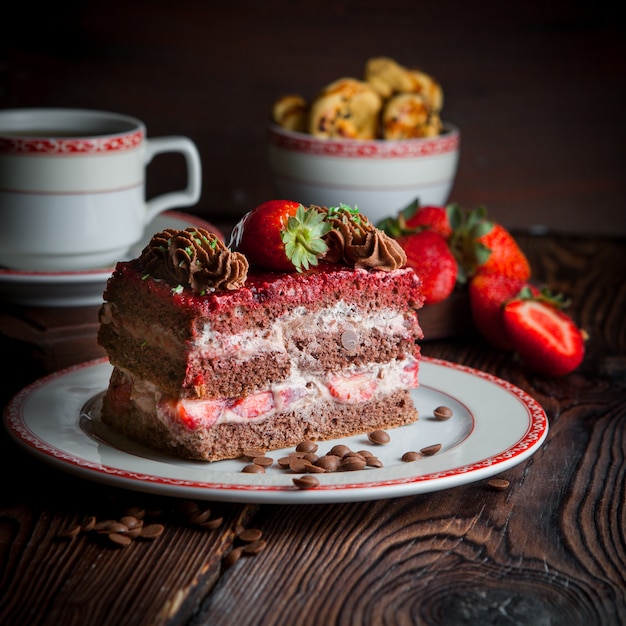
(499, 426)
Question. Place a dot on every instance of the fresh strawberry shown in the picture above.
(483, 246)
(281, 235)
(545, 337)
(428, 254)
(415, 218)
(433, 218)
(488, 294)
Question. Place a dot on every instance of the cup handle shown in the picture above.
(191, 194)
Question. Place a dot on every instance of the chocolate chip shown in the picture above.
(306, 482)
(130, 521)
(199, 517)
(408, 457)
(430, 450)
(250, 534)
(254, 547)
(120, 539)
(499, 484)
(339, 450)
(152, 531)
(349, 340)
(232, 557)
(263, 461)
(328, 462)
(373, 461)
(442, 413)
(352, 463)
(212, 524)
(379, 437)
(284, 461)
(306, 446)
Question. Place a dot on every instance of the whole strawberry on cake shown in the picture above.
(304, 327)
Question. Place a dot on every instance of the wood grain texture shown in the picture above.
(550, 549)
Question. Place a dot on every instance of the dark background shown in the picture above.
(537, 88)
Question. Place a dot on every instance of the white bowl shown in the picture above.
(378, 176)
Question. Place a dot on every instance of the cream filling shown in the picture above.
(297, 322)
(301, 392)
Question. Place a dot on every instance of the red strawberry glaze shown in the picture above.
(274, 293)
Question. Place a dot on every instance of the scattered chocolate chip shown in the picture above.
(254, 547)
(133, 533)
(352, 464)
(152, 531)
(263, 461)
(199, 517)
(339, 450)
(212, 524)
(430, 450)
(442, 413)
(373, 461)
(307, 446)
(109, 526)
(408, 457)
(306, 482)
(299, 466)
(119, 539)
(232, 557)
(250, 534)
(379, 437)
(130, 521)
(499, 484)
(328, 463)
(284, 462)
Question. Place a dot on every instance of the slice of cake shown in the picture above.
(213, 356)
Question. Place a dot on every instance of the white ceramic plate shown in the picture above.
(494, 427)
(55, 289)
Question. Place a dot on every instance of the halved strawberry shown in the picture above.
(545, 337)
(488, 294)
(281, 235)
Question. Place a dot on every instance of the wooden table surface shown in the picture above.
(549, 549)
(537, 89)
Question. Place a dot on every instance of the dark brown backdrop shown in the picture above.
(537, 88)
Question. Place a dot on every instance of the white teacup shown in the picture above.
(72, 186)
